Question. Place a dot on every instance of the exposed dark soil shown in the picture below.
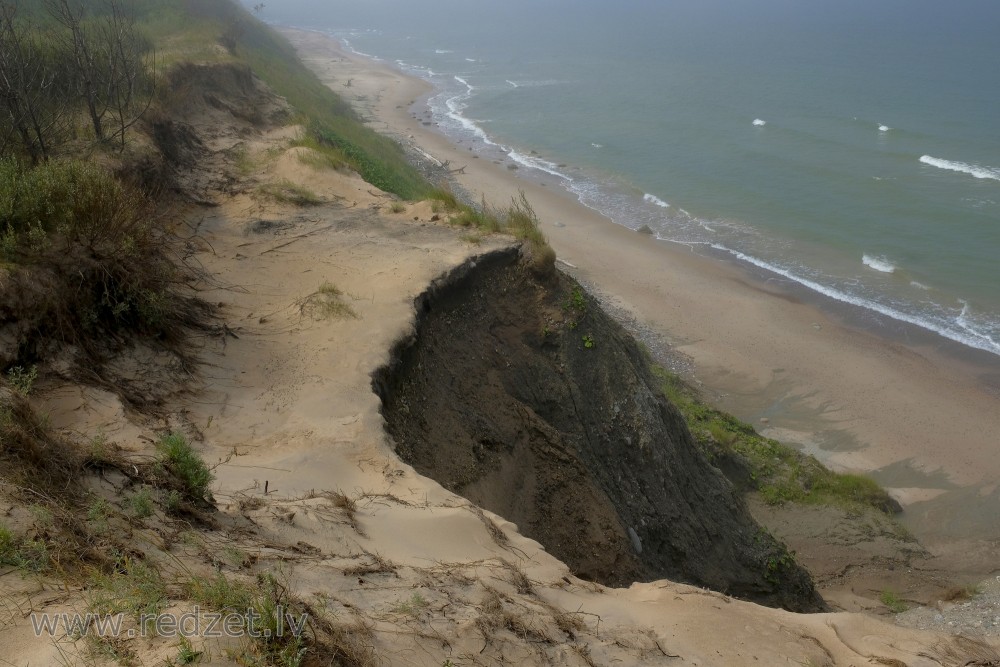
(519, 393)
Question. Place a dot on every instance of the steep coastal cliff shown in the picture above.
(521, 394)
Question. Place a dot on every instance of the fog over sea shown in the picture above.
(851, 146)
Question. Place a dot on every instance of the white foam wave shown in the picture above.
(914, 283)
(653, 199)
(879, 263)
(884, 128)
(538, 163)
(456, 104)
(442, 51)
(349, 47)
(759, 123)
(471, 60)
(512, 83)
(965, 333)
(597, 145)
(963, 167)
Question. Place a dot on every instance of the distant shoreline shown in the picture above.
(861, 392)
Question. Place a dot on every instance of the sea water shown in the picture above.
(850, 146)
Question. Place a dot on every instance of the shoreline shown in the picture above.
(902, 407)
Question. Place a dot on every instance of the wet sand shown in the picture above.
(862, 394)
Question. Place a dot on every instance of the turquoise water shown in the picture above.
(853, 147)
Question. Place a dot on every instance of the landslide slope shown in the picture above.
(518, 392)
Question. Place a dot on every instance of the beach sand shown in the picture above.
(911, 412)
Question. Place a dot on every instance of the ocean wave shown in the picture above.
(442, 51)
(513, 84)
(963, 167)
(597, 145)
(454, 105)
(653, 199)
(960, 329)
(347, 45)
(538, 163)
(471, 60)
(884, 128)
(759, 123)
(879, 263)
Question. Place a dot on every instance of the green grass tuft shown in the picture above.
(181, 460)
(133, 588)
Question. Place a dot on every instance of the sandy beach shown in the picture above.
(913, 413)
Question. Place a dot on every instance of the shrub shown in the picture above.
(87, 263)
(185, 464)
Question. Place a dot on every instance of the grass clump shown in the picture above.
(327, 303)
(413, 606)
(273, 619)
(320, 155)
(133, 587)
(778, 472)
(892, 601)
(183, 462)
(286, 192)
(141, 504)
(518, 219)
(25, 554)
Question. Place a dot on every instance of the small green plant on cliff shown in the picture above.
(588, 341)
(576, 301)
(892, 601)
(779, 473)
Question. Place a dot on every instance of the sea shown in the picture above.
(849, 146)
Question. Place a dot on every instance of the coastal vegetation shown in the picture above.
(777, 472)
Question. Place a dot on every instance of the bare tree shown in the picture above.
(86, 66)
(109, 64)
(129, 79)
(30, 101)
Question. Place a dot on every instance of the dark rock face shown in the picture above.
(527, 399)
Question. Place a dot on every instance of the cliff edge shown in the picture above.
(519, 393)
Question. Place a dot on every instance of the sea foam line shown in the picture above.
(971, 169)
(968, 335)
